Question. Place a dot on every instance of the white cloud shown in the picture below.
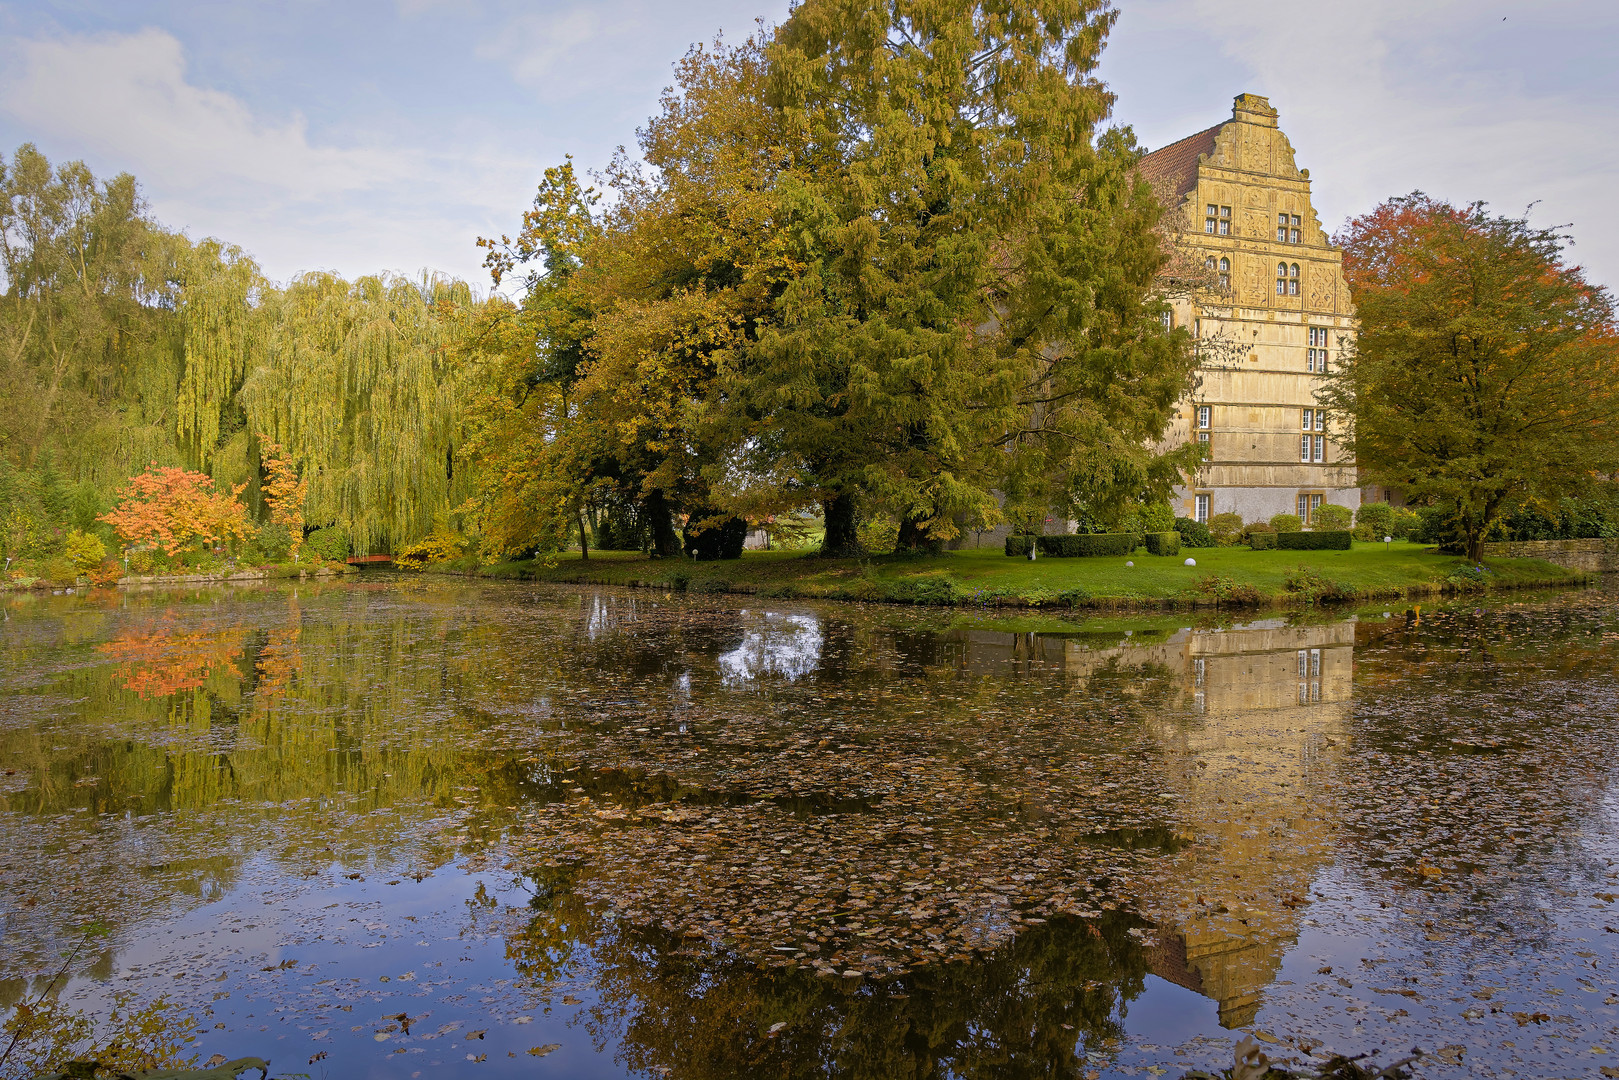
(213, 166)
(127, 95)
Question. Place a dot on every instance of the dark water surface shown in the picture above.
(579, 833)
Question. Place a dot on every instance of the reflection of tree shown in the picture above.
(280, 660)
(1031, 1008)
(161, 661)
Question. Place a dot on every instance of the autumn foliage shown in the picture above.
(284, 493)
(175, 509)
(1486, 374)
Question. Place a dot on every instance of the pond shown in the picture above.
(408, 827)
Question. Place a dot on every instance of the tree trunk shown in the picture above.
(913, 539)
(665, 542)
(841, 540)
(1475, 546)
(584, 544)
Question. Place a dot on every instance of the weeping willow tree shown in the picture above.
(225, 334)
(363, 382)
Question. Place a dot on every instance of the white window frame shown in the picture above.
(1205, 414)
(1200, 508)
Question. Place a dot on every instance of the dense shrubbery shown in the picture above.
(331, 544)
(1194, 534)
(1286, 523)
(1317, 540)
(1262, 539)
(1167, 542)
(1226, 529)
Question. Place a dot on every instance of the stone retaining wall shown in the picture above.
(1592, 556)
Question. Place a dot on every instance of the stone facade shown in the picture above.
(1271, 315)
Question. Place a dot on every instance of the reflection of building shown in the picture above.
(1274, 315)
(1271, 697)
(1268, 699)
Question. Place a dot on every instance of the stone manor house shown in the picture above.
(1274, 319)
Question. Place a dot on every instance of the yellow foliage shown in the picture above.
(441, 545)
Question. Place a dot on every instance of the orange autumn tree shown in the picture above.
(284, 492)
(175, 509)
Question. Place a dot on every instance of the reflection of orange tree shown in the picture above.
(280, 659)
(161, 661)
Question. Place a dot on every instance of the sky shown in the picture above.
(374, 135)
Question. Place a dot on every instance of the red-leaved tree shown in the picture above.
(174, 509)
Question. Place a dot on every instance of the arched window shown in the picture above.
(1293, 280)
(1225, 274)
(1281, 279)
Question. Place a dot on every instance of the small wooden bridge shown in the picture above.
(361, 560)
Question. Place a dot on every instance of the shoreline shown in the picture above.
(1229, 578)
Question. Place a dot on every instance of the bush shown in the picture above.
(1164, 543)
(1437, 525)
(1157, 517)
(1194, 534)
(85, 551)
(329, 543)
(1366, 534)
(1262, 539)
(142, 562)
(1330, 517)
(878, 533)
(1085, 544)
(108, 572)
(59, 570)
(1319, 540)
(1406, 522)
(1286, 523)
(1017, 547)
(1378, 516)
(1226, 529)
(441, 546)
(1311, 585)
(272, 543)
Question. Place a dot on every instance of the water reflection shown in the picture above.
(872, 842)
(774, 644)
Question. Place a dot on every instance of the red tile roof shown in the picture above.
(1177, 162)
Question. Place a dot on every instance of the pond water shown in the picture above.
(408, 827)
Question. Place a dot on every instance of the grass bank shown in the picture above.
(1223, 577)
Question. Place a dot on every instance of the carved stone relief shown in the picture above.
(1321, 286)
(1254, 281)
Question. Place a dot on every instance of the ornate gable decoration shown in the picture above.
(1251, 142)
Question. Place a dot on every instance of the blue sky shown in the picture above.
(388, 134)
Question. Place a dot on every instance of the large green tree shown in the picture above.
(1486, 372)
(974, 270)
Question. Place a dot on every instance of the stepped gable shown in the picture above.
(1177, 162)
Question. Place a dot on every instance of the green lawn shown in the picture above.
(1227, 576)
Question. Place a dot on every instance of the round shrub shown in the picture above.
(1378, 517)
(1194, 534)
(330, 543)
(59, 570)
(1287, 523)
(84, 550)
(1330, 517)
(1406, 521)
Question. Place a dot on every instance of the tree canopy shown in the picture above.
(1486, 373)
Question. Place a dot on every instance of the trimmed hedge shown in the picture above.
(1265, 540)
(1164, 543)
(1075, 546)
(1325, 540)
